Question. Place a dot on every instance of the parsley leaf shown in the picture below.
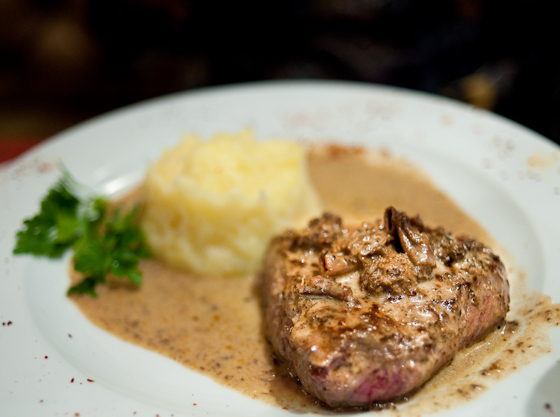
(104, 241)
(53, 230)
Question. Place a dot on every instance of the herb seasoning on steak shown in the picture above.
(367, 315)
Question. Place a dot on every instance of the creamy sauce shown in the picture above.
(213, 325)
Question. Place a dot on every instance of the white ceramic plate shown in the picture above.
(505, 176)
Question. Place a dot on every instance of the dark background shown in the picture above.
(65, 61)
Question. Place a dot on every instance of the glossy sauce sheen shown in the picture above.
(213, 325)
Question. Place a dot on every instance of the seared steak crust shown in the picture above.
(367, 315)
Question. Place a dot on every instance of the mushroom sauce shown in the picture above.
(213, 325)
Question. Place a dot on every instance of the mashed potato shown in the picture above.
(212, 207)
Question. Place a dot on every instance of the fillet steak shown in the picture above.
(367, 315)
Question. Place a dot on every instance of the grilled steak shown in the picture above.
(366, 315)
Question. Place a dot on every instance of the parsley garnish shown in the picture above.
(104, 241)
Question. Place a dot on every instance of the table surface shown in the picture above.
(11, 147)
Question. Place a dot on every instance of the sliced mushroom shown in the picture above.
(414, 242)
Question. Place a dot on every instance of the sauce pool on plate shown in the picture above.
(213, 325)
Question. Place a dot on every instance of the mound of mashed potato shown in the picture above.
(212, 206)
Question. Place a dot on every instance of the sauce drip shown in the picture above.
(213, 325)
